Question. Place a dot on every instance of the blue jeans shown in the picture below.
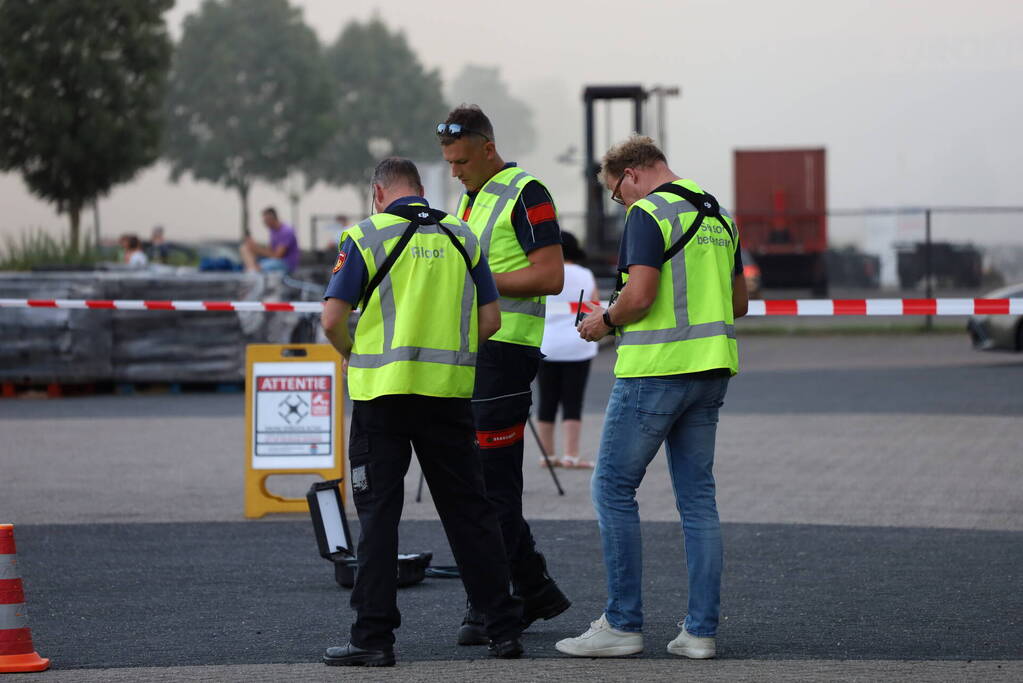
(644, 412)
(273, 265)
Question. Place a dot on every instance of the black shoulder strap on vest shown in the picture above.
(706, 205)
(416, 216)
(411, 212)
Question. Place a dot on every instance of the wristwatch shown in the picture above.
(607, 320)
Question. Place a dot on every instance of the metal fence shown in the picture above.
(906, 251)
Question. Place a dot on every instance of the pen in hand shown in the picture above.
(579, 311)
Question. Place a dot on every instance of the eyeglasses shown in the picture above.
(615, 197)
(457, 130)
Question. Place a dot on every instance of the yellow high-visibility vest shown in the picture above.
(522, 319)
(690, 327)
(418, 332)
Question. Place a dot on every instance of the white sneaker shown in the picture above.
(694, 647)
(602, 640)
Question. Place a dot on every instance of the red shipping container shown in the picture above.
(781, 208)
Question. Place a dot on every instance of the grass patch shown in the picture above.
(37, 249)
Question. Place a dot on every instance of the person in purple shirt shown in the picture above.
(280, 256)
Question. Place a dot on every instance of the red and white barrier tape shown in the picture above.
(137, 305)
(757, 307)
(832, 307)
(805, 307)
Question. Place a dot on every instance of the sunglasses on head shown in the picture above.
(457, 130)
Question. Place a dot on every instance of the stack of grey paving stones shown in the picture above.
(53, 345)
(39, 345)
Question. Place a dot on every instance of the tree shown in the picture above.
(386, 103)
(512, 118)
(81, 84)
(248, 97)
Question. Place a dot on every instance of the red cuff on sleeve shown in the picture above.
(540, 213)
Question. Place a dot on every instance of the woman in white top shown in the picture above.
(566, 364)
(133, 254)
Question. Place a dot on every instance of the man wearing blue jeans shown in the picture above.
(680, 289)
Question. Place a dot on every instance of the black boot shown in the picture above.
(545, 602)
(350, 655)
(541, 597)
(472, 631)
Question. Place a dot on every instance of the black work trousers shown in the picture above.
(384, 430)
(500, 405)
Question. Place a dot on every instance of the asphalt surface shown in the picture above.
(237, 593)
(871, 489)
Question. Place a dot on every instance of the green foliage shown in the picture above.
(248, 97)
(181, 258)
(512, 118)
(82, 82)
(386, 103)
(36, 248)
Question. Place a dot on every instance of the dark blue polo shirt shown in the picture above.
(350, 280)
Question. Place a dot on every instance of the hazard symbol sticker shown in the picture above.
(320, 404)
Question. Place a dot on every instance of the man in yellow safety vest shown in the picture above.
(513, 216)
(427, 299)
(680, 289)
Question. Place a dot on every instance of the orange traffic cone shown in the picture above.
(16, 651)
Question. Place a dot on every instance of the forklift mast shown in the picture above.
(600, 238)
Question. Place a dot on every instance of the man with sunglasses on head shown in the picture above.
(680, 289)
(427, 299)
(513, 216)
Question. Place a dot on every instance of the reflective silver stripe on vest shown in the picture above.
(13, 616)
(468, 299)
(505, 193)
(366, 225)
(683, 333)
(524, 306)
(665, 210)
(376, 237)
(413, 353)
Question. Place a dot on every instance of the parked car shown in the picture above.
(998, 332)
(952, 265)
(849, 267)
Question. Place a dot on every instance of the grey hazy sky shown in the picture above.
(917, 102)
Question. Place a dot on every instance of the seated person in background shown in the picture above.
(133, 254)
(280, 256)
(158, 245)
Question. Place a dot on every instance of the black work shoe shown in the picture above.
(546, 602)
(472, 632)
(350, 655)
(506, 649)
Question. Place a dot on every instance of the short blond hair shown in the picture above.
(639, 151)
